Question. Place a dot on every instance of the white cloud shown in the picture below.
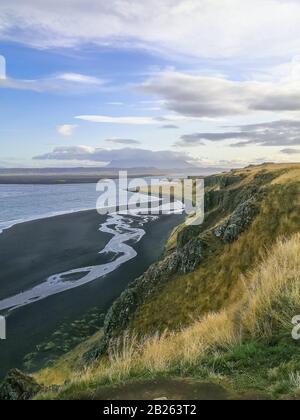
(66, 130)
(2, 68)
(66, 83)
(117, 120)
(80, 78)
(285, 72)
(115, 103)
(273, 134)
(202, 28)
(200, 96)
(137, 120)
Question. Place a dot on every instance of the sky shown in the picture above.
(89, 82)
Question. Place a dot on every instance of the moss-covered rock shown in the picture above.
(240, 220)
(232, 202)
(18, 386)
(183, 260)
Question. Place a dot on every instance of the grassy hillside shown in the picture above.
(213, 284)
(247, 346)
(227, 317)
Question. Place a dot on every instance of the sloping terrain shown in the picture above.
(246, 212)
(218, 307)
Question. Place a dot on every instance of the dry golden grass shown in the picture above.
(276, 278)
(158, 354)
(273, 289)
(257, 314)
(63, 370)
(288, 176)
(253, 305)
(185, 348)
(213, 285)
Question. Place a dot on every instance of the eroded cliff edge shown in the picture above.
(232, 202)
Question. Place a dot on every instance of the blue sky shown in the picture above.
(214, 83)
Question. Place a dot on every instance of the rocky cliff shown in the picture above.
(232, 202)
(218, 304)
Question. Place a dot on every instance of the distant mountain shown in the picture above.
(128, 164)
(93, 174)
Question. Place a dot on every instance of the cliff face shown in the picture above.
(219, 304)
(245, 212)
(181, 261)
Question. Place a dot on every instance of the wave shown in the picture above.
(8, 224)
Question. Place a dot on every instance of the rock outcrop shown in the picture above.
(18, 386)
(225, 200)
(182, 261)
(238, 222)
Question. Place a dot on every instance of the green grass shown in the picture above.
(228, 322)
(254, 367)
(258, 366)
(65, 367)
(187, 297)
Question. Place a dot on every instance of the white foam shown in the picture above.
(8, 224)
(118, 225)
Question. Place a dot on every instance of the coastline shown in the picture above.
(25, 246)
(13, 223)
(32, 251)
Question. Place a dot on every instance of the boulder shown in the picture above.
(18, 386)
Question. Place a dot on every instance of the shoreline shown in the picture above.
(33, 251)
(41, 217)
(64, 179)
(122, 231)
(6, 225)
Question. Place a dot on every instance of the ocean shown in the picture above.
(22, 203)
(54, 270)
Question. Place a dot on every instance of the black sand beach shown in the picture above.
(33, 251)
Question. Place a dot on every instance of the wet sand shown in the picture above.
(31, 252)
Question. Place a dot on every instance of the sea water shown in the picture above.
(21, 203)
